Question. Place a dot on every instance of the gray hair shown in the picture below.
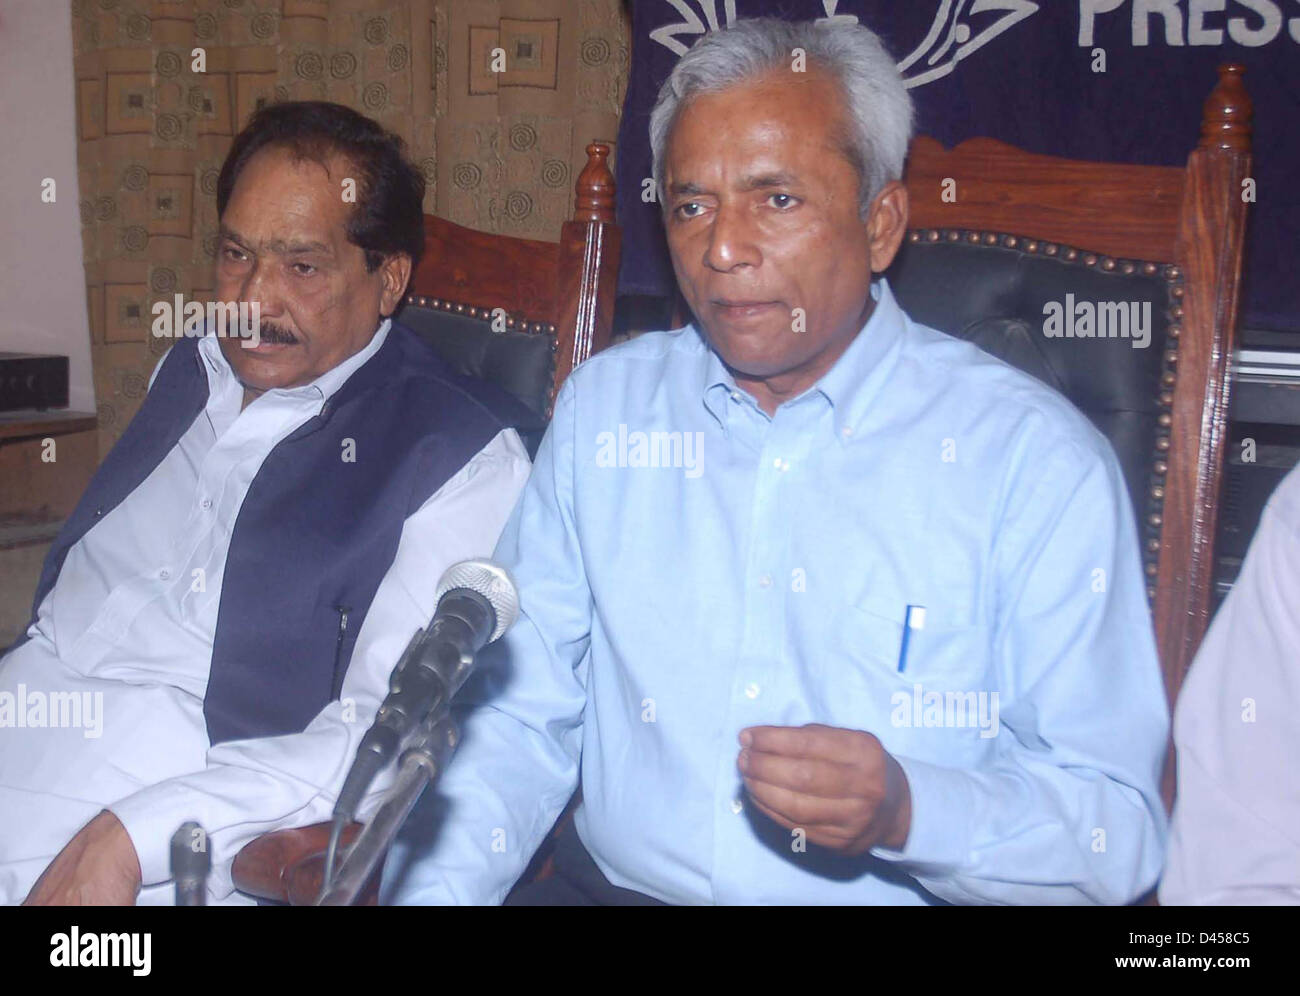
(877, 105)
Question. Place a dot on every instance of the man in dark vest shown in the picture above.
(215, 625)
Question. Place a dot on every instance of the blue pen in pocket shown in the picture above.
(913, 618)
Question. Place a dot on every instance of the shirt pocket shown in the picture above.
(949, 651)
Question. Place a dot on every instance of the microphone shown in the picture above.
(190, 864)
(477, 602)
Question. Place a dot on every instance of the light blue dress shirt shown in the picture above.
(759, 570)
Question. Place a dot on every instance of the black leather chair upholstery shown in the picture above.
(520, 362)
(991, 289)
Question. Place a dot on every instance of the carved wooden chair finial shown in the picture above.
(1226, 119)
(594, 200)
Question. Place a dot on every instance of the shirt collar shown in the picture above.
(849, 386)
(221, 376)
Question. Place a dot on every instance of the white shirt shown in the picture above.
(122, 647)
(1235, 837)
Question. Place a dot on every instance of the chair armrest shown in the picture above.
(287, 866)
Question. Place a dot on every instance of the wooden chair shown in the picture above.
(562, 292)
(556, 300)
(1180, 226)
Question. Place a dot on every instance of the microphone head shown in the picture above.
(189, 852)
(486, 579)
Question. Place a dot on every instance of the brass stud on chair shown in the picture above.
(1108, 264)
(1167, 398)
(1161, 467)
(1089, 259)
(1071, 254)
(1162, 443)
(1148, 268)
(1165, 420)
(1158, 493)
(913, 236)
(932, 235)
(1152, 570)
(1011, 241)
(1031, 246)
(1155, 519)
(953, 236)
(1169, 378)
(1153, 545)
(990, 239)
(1049, 250)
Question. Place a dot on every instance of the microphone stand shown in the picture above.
(420, 765)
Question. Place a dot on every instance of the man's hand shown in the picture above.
(841, 787)
(98, 867)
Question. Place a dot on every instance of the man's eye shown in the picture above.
(783, 200)
(303, 269)
(687, 210)
(233, 254)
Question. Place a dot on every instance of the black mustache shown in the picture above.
(275, 333)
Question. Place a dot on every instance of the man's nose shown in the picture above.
(732, 241)
(263, 286)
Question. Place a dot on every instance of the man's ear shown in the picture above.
(886, 225)
(394, 271)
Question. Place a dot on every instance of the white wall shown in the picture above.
(42, 281)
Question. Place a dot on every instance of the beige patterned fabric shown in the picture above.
(500, 150)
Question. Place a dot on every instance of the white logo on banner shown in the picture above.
(949, 40)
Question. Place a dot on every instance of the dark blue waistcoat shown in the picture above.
(315, 534)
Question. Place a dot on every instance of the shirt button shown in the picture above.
(847, 431)
(207, 502)
(752, 690)
(164, 574)
(737, 805)
(735, 395)
(765, 581)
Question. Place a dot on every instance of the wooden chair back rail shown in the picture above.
(569, 284)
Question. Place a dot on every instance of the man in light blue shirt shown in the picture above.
(822, 605)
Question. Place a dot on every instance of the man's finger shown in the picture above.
(812, 741)
(822, 834)
(798, 809)
(827, 779)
